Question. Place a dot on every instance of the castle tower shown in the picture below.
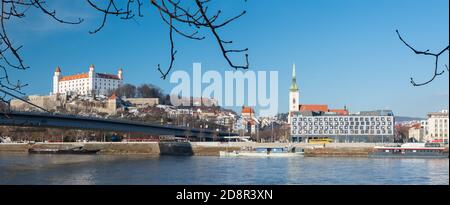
(56, 77)
(91, 69)
(120, 74)
(91, 81)
(294, 94)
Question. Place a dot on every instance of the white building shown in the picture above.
(249, 120)
(90, 83)
(371, 126)
(416, 133)
(438, 126)
(424, 126)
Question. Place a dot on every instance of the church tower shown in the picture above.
(293, 95)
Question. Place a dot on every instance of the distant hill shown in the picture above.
(404, 118)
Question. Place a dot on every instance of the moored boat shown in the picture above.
(76, 150)
(265, 152)
(411, 150)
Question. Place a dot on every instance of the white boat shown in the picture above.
(412, 150)
(265, 152)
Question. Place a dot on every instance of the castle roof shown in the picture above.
(86, 75)
(74, 77)
(108, 76)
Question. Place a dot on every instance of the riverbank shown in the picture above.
(195, 148)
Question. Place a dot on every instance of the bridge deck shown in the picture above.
(35, 119)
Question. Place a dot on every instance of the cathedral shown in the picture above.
(295, 106)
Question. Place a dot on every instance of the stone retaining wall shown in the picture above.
(192, 148)
(12, 147)
(338, 152)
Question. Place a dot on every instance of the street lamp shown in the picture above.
(272, 133)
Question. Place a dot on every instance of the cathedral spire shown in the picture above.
(294, 86)
(293, 71)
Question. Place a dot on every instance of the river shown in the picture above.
(139, 169)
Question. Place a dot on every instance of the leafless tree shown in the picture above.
(427, 53)
(186, 18)
(149, 91)
(127, 90)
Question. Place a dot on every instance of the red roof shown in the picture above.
(417, 125)
(316, 108)
(247, 110)
(113, 96)
(339, 111)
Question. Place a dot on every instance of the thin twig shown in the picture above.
(436, 56)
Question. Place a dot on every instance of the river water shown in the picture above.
(137, 169)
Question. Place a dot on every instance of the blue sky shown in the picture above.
(346, 51)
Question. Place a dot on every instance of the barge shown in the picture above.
(411, 150)
(265, 152)
(76, 150)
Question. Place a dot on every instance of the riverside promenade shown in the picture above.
(197, 148)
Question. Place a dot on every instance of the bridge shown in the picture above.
(50, 120)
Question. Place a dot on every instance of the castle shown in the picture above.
(90, 83)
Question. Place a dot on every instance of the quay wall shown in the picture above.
(196, 148)
(105, 147)
(151, 148)
(339, 152)
(311, 150)
(13, 147)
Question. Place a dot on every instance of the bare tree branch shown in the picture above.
(113, 9)
(181, 19)
(172, 52)
(435, 55)
(196, 20)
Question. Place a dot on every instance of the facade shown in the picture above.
(90, 83)
(142, 102)
(55, 102)
(372, 126)
(50, 102)
(416, 133)
(226, 120)
(438, 126)
(424, 127)
(204, 102)
(249, 120)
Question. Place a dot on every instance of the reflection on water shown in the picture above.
(140, 169)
